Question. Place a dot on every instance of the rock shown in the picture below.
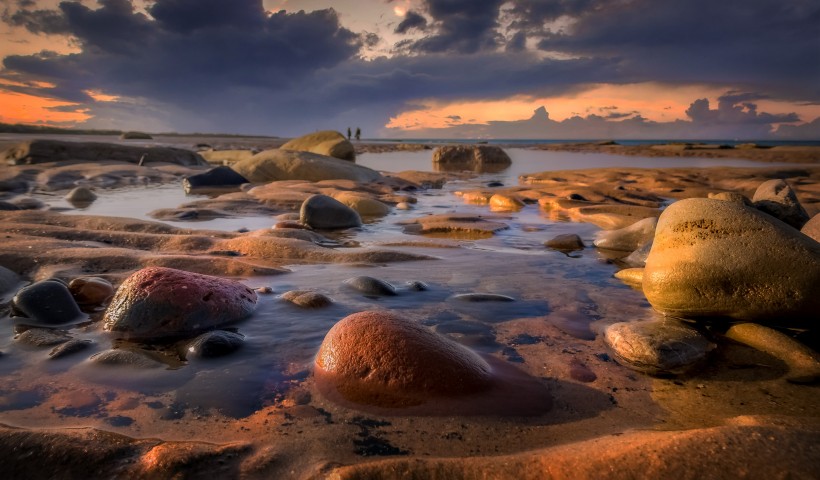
(226, 157)
(568, 242)
(45, 151)
(478, 158)
(481, 297)
(454, 225)
(638, 257)
(69, 348)
(46, 303)
(403, 206)
(326, 142)
(803, 362)
(158, 302)
(371, 286)
(631, 276)
(417, 286)
(505, 203)
(731, 197)
(125, 358)
(326, 213)
(7, 206)
(777, 198)
(214, 179)
(81, 196)
(364, 206)
(28, 203)
(657, 347)
(629, 238)
(272, 165)
(213, 344)
(135, 136)
(42, 337)
(812, 228)
(382, 359)
(91, 290)
(8, 279)
(307, 299)
(712, 258)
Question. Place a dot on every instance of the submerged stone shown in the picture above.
(307, 299)
(125, 358)
(382, 359)
(216, 343)
(158, 302)
(42, 337)
(69, 348)
(371, 286)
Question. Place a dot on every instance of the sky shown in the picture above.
(562, 69)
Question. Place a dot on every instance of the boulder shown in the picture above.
(326, 213)
(214, 179)
(657, 347)
(307, 299)
(715, 258)
(326, 142)
(371, 286)
(81, 196)
(44, 151)
(568, 242)
(46, 303)
(629, 238)
(812, 228)
(777, 198)
(158, 302)
(272, 165)
(381, 359)
(226, 157)
(364, 205)
(478, 158)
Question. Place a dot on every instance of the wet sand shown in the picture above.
(259, 414)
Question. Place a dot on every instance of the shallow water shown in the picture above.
(549, 332)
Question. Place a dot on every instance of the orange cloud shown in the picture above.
(22, 108)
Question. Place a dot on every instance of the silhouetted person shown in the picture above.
(358, 133)
(348, 133)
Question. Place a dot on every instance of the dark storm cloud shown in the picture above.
(412, 20)
(462, 26)
(49, 22)
(736, 108)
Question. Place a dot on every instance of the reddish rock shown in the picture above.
(159, 302)
(91, 290)
(381, 359)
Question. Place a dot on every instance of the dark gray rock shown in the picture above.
(42, 337)
(216, 178)
(214, 344)
(81, 196)
(69, 348)
(46, 303)
(371, 286)
(568, 242)
(326, 213)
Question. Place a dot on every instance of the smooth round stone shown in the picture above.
(215, 178)
(403, 206)
(69, 348)
(28, 203)
(657, 347)
(777, 198)
(568, 242)
(8, 279)
(216, 343)
(158, 302)
(48, 303)
(371, 286)
(125, 358)
(81, 195)
(91, 290)
(326, 213)
(505, 203)
(629, 238)
(712, 258)
(379, 358)
(307, 299)
(481, 297)
(42, 337)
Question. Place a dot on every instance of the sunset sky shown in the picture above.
(746, 69)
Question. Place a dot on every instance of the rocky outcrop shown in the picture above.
(326, 142)
(716, 258)
(478, 158)
(272, 165)
(158, 302)
(44, 151)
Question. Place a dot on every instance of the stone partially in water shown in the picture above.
(158, 302)
(326, 142)
(631, 276)
(326, 213)
(307, 299)
(91, 290)
(46, 303)
(812, 228)
(803, 362)
(629, 238)
(125, 358)
(381, 359)
(371, 286)
(716, 258)
(777, 198)
(216, 178)
(214, 344)
(657, 347)
(568, 242)
(478, 158)
(481, 297)
(69, 348)
(42, 337)
(81, 196)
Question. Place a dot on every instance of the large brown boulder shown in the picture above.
(381, 359)
(158, 302)
(478, 158)
(716, 258)
(326, 142)
(272, 165)
(44, 151)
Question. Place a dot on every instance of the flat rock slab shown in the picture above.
(45, 151)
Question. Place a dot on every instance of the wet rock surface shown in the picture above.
(91, 290)
(43, 337)
(322, 212)
(214, 179)
(70, 347)
(158, 302)
(272, 165)
(327, 142)
(42, 151)
(629, 238)
(568, 242)
(46, 303)
(478, 158)
(125, 358)
(214, 344)
(307, 299)
(370, 286)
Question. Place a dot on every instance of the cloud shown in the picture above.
(461, 26)
(412, 20)
(735, 108)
